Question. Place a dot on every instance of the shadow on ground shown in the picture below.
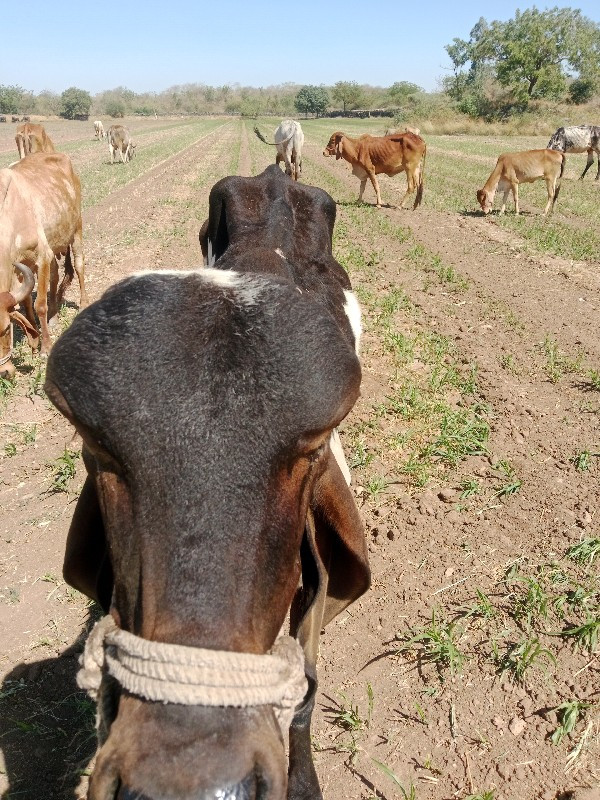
(47, 727)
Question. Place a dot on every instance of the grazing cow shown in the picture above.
(514, 168)
(40, 220)
(211, 511)
(289, 140)
(2, 118)
(33, 139)
(578, 139)
(15, 119)
(120, 141)
(99, 131)
(371, 155)
(26, 118)
(9, 298)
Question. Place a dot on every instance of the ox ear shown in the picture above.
(339, 148)
(87, 565)
(335, 564)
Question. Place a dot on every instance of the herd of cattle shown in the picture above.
(197, 558)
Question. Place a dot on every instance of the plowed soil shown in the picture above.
(448, 679)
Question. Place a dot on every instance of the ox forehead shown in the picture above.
(260, 350)
(270, 210)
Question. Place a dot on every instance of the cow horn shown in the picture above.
(27, 285)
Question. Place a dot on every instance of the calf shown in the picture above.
(514, 168)
(40, 219)
(289, 140)
(578, 139)
(120, 141)
(99, 132)
(371, 155)
(210, 512)
(33, 139)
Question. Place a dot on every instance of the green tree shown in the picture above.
(348, 93)
(115, 108)
(402, 90)
(531, 54)
(75, 103)
(581, 90)
(10, 99)
(311, 100)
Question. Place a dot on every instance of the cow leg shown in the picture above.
(41, 301)
(53, 289)
(590, 161)
(375, 183)
(551, 188)
(504, 200)
(363, 183)
(79, 266)
(598, 173)
(515, 191)
(288, 165)
(110, 151)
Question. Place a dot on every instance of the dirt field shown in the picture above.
(471, 669)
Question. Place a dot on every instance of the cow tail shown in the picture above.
(562, 169)
(419, 197)
(260, 136)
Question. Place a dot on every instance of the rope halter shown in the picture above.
(172, 673)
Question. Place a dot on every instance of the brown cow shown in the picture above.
(372, 155)
(514, 168)
(40, 219)
(120, 141)
(33, 139)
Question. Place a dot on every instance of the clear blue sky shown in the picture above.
(149, 46)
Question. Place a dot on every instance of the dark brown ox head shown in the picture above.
(334, 146)
(206, 402)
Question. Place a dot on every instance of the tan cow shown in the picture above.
(514, 168)
(32, 138)
(40, 220)
(371, 155)
(120, 141)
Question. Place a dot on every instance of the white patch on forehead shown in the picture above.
(353, 312)
(280, 254)
(18, 241)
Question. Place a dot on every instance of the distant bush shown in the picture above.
(75, 104)
(581, 90)
(115, 109)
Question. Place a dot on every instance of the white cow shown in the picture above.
(289, 140)
(99, 129)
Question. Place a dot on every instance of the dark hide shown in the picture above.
(251, 218)
(578, 139)
(212, 488)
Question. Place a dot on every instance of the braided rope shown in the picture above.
(172, 673)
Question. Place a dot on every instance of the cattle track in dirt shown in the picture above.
(442, 291)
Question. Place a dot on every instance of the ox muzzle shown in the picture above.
(231, 699)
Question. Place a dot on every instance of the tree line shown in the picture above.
(195, 98)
